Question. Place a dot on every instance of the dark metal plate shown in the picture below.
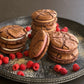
(46, 74)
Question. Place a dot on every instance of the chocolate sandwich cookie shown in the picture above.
(44, 24)
(12, 34)
(63, 58)
(63, 42)
(13, 41)
(46, 28)
(39, 45)
(11, 46)
(8, 51)
(48, 31)
(44, 15)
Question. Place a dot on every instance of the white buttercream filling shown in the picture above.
(12, 39)
(11, 49)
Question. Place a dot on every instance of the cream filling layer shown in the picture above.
(12, 39)
(11, 49)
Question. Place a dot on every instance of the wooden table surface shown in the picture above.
(70, 9)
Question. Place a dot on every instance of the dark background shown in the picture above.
(70, 9)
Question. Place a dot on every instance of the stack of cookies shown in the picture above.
(44, 19)
(12, 39)
(63, 47)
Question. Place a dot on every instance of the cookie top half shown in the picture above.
(63, 41)
(12, 32)
(38, 44)
(44, 15)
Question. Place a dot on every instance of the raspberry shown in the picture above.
(20, 73)
(0, 62)
(65, 29)
(63, 71)
(29, 64)
(15, 67)
(36, 66)
(29, 35)
(19, 55)
(5, 60)
(1, 56)
(28, 28)
(57, 25)
(26, 53)
(57, 29)
(12, 56)
(57, 68)
(76, 67)
(22, 67)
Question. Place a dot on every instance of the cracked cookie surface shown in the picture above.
(38, 44)
(12, 31)
(44, 15)
(63, 41)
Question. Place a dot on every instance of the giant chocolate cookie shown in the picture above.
(44, 15)
(63, 58)
(63, 42)
(39, 45)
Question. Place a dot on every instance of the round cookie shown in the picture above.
(8, 51)
(12, 46)
(63, 58)
(12, 34)
(44, 15)
(13, 41)
(44, 24)
(39, 45)
(46, 28)
(63, 42)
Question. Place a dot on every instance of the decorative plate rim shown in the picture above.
(40, 80)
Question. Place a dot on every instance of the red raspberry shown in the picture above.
(20, 73)
(29, 64)
(76, 67)
(15, 67)
(1, 56)
(29, 35)
(12, 56)
(57, 25)
(26, 53)
(57, 68)
(5, 60)
(63, 71)
(65, 29)
(28, 28)
(22, 67)
(0, 62)
(57, 29)
(19, 55)
(36, 66)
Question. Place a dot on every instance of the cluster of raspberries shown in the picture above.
(65, 29)
(63, 71)
(3, 59)
(30, 64)
(28, 28)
